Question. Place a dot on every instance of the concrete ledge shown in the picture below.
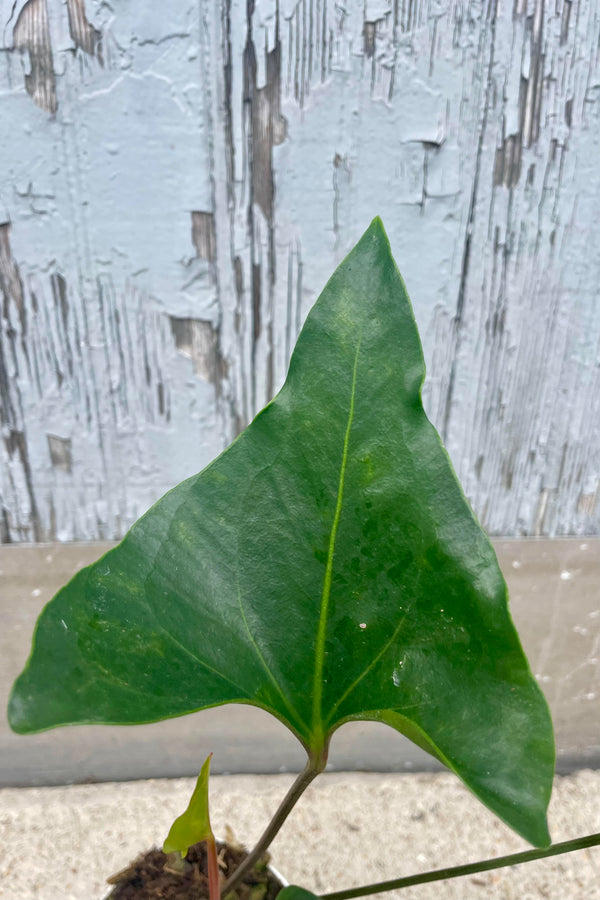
(555, 601)
(347, 830)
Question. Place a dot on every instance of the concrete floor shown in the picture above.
(62, 843)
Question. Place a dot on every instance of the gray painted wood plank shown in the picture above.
(177, 189)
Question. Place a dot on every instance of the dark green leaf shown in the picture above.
(292, 892)
(326, 567)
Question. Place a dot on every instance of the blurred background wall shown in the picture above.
(178, 181)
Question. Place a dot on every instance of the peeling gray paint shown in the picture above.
(32, 37)
(10, 280)
(85, 36)
(203, 235)
(176, 191)
(198, 340)
(60, 453)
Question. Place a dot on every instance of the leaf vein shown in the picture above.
(200, 661)
(324, 611)
(368, 668)
(290, 708)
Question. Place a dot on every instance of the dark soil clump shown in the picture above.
(160, 876)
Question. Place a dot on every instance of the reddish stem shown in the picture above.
(214, 884)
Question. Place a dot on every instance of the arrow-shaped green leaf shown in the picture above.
(326, 567)
(193, 825)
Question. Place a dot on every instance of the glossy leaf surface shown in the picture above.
(326, 567)
(193, 825)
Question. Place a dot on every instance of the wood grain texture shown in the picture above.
(177, 189)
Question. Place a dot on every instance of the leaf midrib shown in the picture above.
(317, 728)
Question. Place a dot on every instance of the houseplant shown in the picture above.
(326, 567)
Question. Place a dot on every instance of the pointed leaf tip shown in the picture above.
(377, 225)
(194, 824)
(375, 232)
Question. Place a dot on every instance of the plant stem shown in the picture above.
(214, 887)
(313, 767)
(485, 865)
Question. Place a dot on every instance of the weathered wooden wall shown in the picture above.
(178, 181)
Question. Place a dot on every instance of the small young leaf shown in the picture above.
(194, 824)
(326, 567)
